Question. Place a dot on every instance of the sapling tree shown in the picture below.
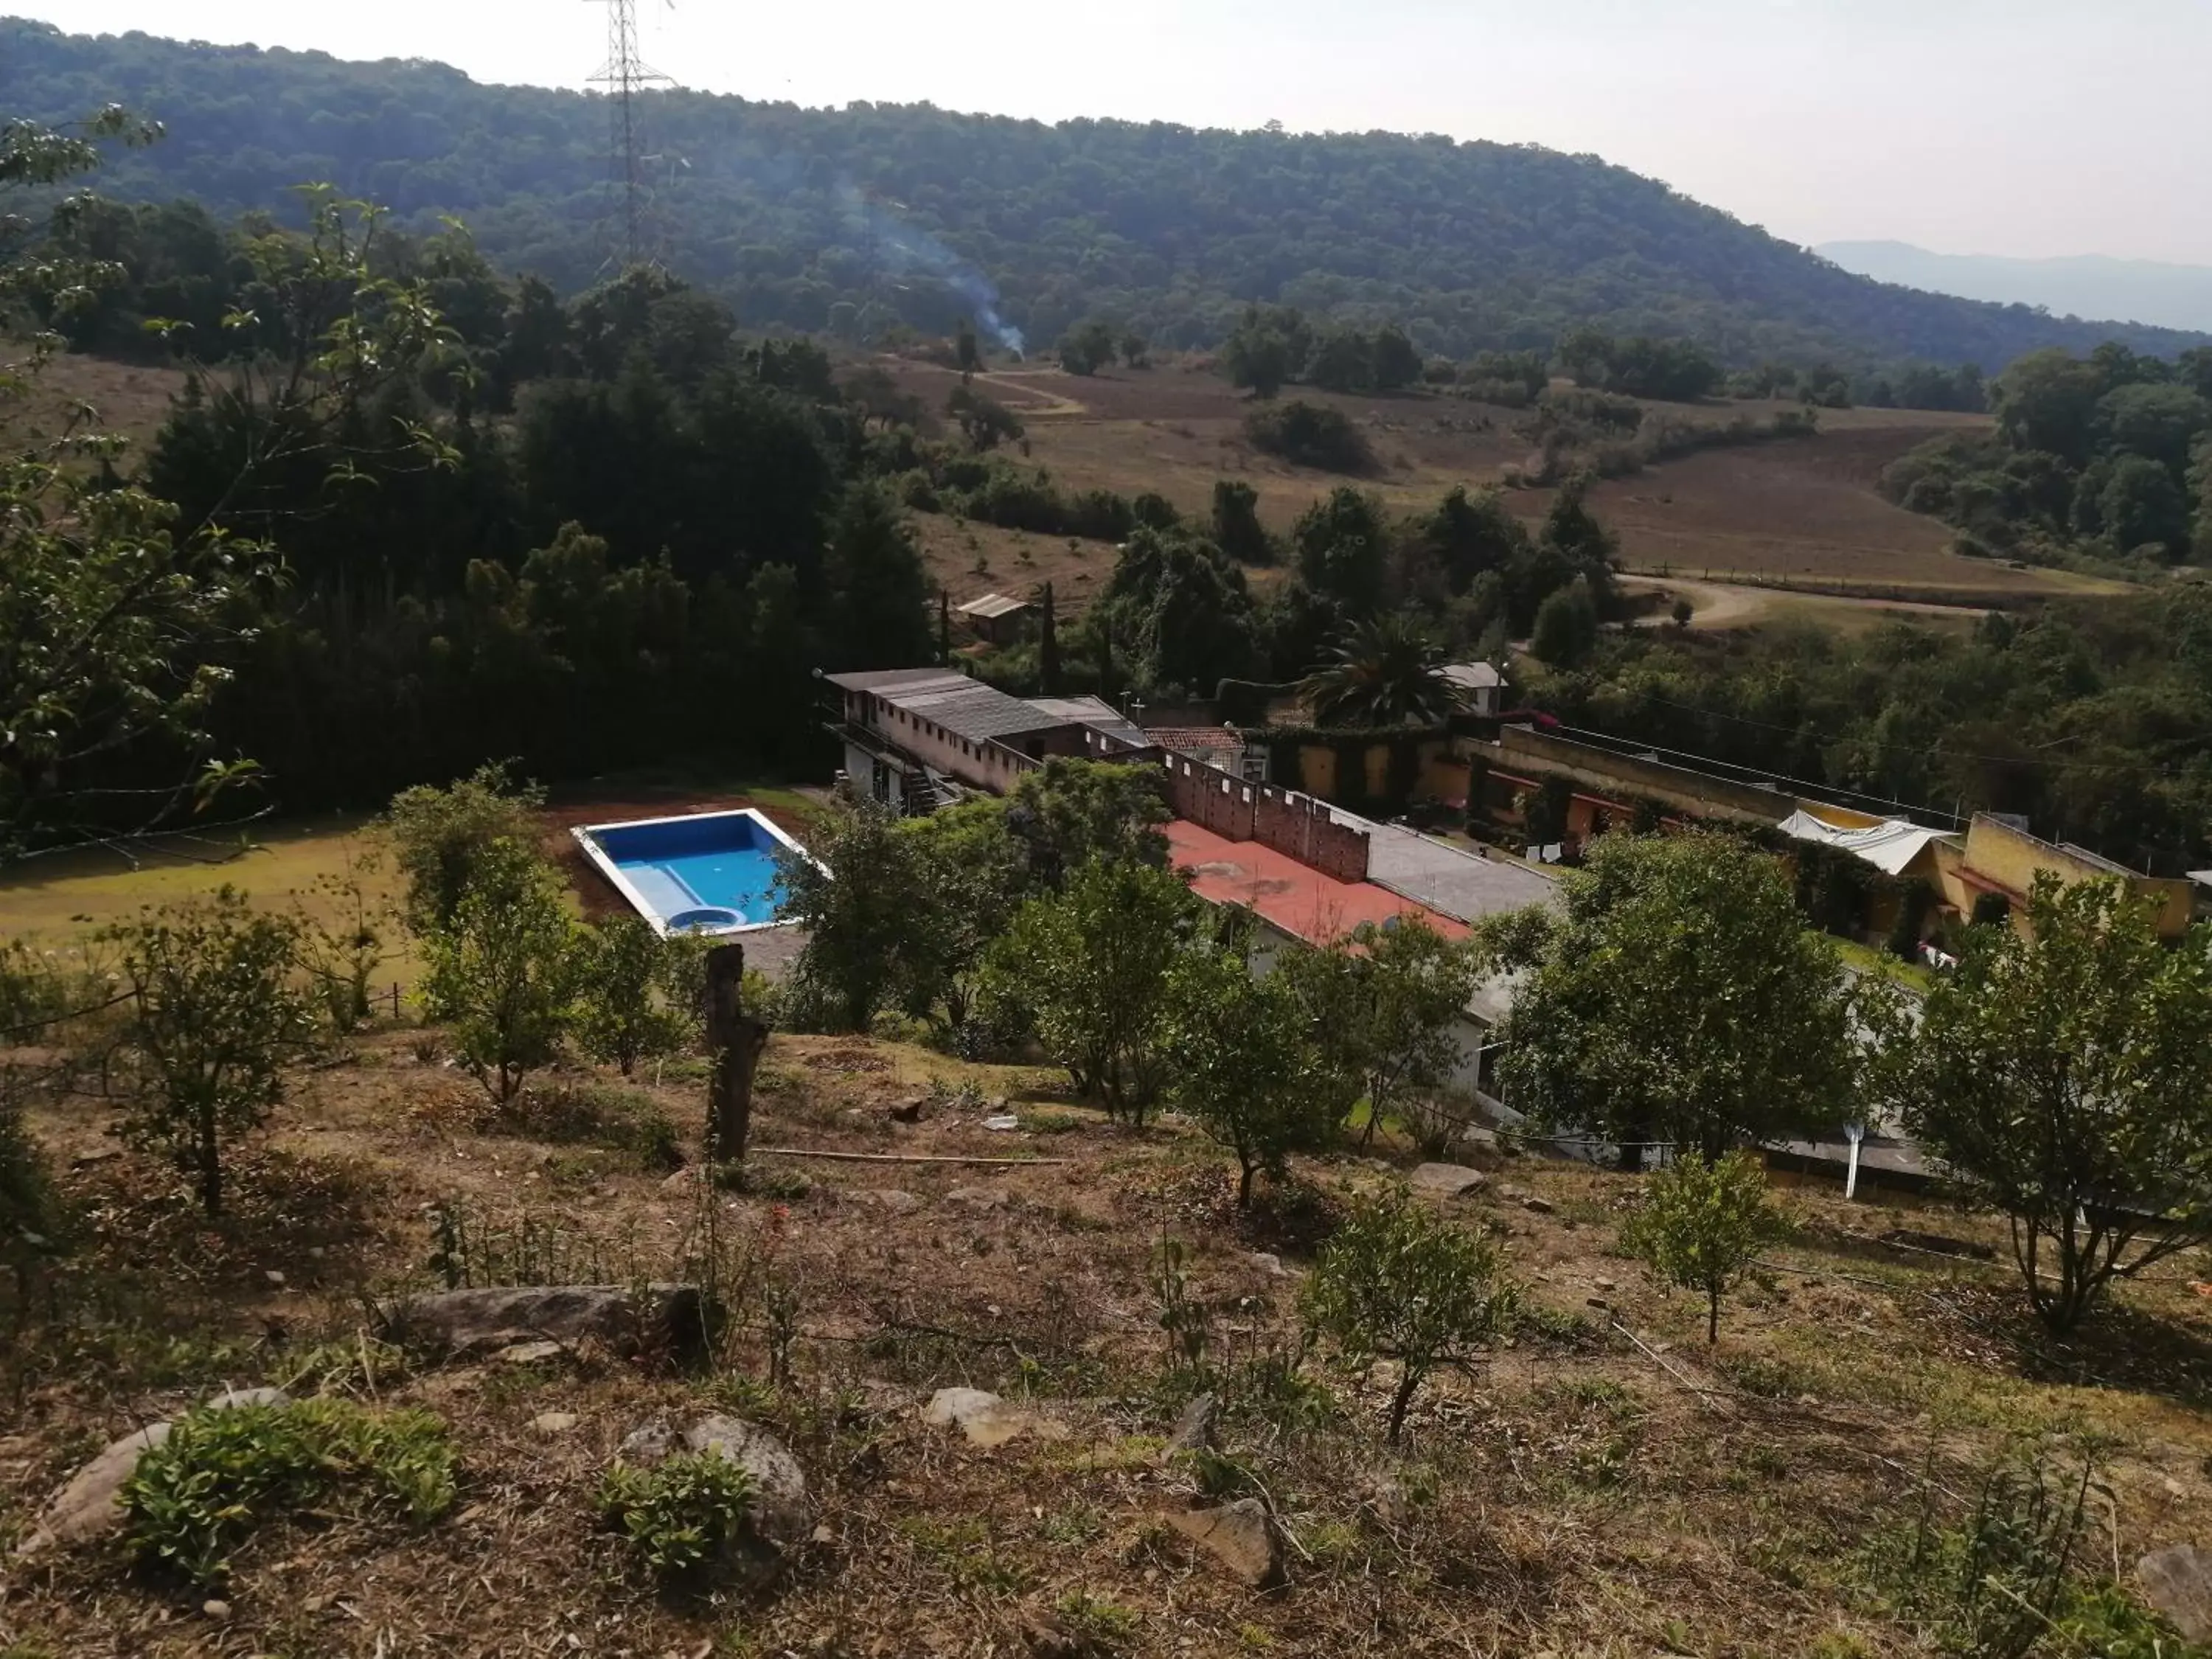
(503, 968)
(215, 1015)
(637, 992)
(865, 900)
(2064, 1078)
(1398, 1282)
(1681, 998)
(1242, 1063)
(441, 835)
(1384, 1002)
(342, 949)
(1090, 966)
(1702, 1225)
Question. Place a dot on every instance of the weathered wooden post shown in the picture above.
(735, 1039)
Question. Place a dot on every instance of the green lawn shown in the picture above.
(1868, 960)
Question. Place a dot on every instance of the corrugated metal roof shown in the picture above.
(1093, 712)
(992, 606)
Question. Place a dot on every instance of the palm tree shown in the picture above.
(1384, 671)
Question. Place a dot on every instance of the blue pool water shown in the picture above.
(708, 873)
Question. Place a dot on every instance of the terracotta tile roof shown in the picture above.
(1294, 897)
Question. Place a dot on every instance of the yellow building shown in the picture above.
(2000, 858)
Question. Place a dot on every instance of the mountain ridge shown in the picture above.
(848, 220)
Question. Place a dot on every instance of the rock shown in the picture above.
(94, 1160)
(1447, 1180)
(910, 1110)
(780, 1517)
(274, 1277)
(1387, 1497)
(823, 1535)
(977, 1198)
(986, 1420)
(1536, 1206)
(2177, 1582)
(1004, 1122)
(1045, 1637)
(658, 1321)
(553, 1423)
(1269, 1263)
(888, 1198)
(1194, 1430)
(87, 1505)
(1606, 1285)
(217, 1610)
(1242, 1536)
(529, 1353)
(1597, 1302)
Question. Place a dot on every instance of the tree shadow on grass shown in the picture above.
(2121, 1345)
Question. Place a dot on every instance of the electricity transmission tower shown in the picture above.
(625, 74)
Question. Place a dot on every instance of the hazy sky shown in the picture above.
(2024, 127)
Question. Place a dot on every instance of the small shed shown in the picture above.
(1479, 685)
(997, 618)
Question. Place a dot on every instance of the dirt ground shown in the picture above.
(1601, 1485)
(1800, 510)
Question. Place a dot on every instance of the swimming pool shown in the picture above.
(708, 873)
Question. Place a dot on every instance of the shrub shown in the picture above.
(503, 968)
(222, 1474)
(1397, 1282)
(214, 1016)
(440, 836)
(1702, 1225)
(1244, 1065)
(638, 992)
(679, 1516)
(1311, 435)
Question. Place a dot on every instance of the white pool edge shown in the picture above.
(586, 836)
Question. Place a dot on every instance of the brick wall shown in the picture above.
(1297, 826)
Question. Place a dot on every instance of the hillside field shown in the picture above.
(1797, 513)
(1601, 1485)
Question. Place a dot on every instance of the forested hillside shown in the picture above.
(850, 220)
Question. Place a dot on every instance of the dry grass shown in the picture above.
(1571, 1497)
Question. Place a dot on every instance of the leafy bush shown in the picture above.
(679, 1516)
(222, 1474)
(638, 993)
(1702, 1225)
(214, 1016)
(1397, 1282)
(503, 968)
(1311, 435)
(440, 836)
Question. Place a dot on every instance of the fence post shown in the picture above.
(735, 1041)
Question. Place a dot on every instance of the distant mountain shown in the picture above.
(2092, 285)
(845, 219)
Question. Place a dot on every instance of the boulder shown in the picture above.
(1194, 1430)
(986, 1420)
(977, 1198)
(89, 1503)
(2177, 1582)
(1447, 1180)
(1242, 1536)
(780, 1518)
(658, 1321)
